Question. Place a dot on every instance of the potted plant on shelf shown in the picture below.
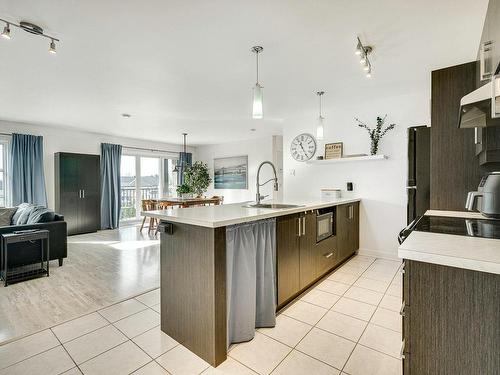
(198, 178)
(376, 133)
(184, 191)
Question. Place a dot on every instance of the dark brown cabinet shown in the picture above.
(308, 251)
(77, 191)
(450, 320)
(301, 260)
(288, 257)
(347, 230)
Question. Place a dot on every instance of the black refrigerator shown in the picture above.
(418, 185)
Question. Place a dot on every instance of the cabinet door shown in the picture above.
(69, 191)
(288, 269)
(89, 217)
(308, 250)
(347, 229)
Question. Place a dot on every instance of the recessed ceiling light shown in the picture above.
(126, 115)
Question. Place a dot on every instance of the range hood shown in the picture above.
(481, 108)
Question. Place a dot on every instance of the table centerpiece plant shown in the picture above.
(197, 177)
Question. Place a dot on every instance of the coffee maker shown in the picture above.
(487, 197)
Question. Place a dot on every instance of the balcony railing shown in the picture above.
(128, 199)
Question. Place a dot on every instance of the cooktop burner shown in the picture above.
(486, 228)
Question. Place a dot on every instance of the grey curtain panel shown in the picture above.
(26, 168)
(110, 185)
(251, 278)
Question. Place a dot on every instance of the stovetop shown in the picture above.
(485, 228)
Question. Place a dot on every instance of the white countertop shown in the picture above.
(474, 253)
(228, 214)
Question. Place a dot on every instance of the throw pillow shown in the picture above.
(40, 214)
(6, 214)
(18, 213)
(22, 214)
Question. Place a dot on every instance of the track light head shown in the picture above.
(6, 31)
(52, 47)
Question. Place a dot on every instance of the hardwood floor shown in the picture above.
(102, 268)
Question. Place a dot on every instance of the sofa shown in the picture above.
(30, 216)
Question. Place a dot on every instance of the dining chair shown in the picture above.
(149, 205)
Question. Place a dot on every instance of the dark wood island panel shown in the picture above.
(451, 320)
(193, 288)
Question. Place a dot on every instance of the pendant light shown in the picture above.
(257, 108)
(320, 127)
(181, 163)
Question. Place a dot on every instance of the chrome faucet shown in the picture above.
(259, 197)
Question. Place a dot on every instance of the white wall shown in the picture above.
(258, 150)
(56, 139)
(380, 184)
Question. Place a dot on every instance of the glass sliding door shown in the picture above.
(144, 177)
(150, 178)
(128, 192)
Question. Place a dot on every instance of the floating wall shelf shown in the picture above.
(344, 160)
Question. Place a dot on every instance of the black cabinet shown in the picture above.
(450, 320)
(347, 230)
(77, 191)
(288, 256)
(301, 260)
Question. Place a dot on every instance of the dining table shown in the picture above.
(186, 202)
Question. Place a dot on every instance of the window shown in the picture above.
(4, 145)
(144, 177)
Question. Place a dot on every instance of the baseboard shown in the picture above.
(378, 254)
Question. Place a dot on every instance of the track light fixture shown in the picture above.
(29, 28)
(363, 52)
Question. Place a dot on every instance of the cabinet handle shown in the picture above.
(402, 352)
(304, 226)
(402, 309)
(83, 193)
(329, 255)
(80, 193)
(350, 212)
(300, 230)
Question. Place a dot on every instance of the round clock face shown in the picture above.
(303, 147)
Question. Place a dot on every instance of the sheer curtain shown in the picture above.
(251, 278)
(110, 185)
(26, 170)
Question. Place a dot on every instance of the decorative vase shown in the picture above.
(374, 146)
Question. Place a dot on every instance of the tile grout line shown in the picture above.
(66, 351)
(358, 343)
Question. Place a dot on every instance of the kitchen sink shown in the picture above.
(272, 205)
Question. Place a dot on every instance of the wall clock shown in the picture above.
(303, 147)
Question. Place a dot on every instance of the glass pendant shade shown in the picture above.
(258, 111)
(320, 127)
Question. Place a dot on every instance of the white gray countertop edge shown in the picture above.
(194, 215)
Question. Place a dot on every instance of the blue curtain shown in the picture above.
(110, 185)
(26, 166)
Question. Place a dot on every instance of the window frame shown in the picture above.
(5, 142)
(137, 154)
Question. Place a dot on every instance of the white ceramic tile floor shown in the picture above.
(326, 332)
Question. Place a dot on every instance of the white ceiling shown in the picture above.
(186, 65)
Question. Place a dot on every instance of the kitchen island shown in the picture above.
(194, 269)
(451, 304)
